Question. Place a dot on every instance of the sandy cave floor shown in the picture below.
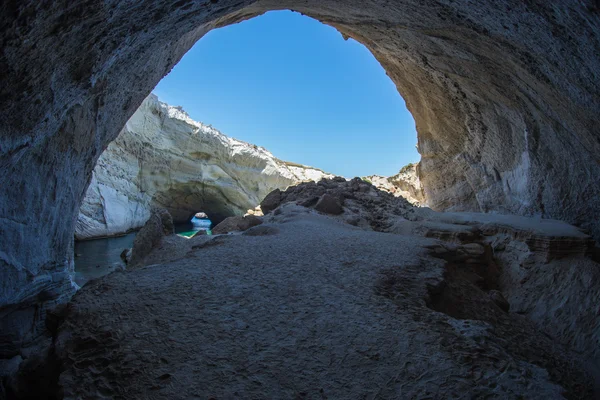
(317, 310)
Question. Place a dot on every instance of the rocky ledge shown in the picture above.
(529, 258)
(340, 290)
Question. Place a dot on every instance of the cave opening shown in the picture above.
(503, 93)
(300, 89)
(281, 83)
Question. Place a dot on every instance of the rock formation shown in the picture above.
(384, 310)
(405, 183)
(545, 268)
(158, 225)
(504, 94)
(162, 158)
(358, 202)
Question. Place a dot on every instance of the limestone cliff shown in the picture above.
(163, 158)
(405, 183)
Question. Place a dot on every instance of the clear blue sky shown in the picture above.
(296, 87)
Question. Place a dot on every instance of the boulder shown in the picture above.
(255, 211)
(310, 202)
(236, 223)
(159, 224)
(328, 204)
(166, 221)
(271, 201)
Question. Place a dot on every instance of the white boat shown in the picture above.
(200, 220)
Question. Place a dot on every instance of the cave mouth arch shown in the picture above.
(290, 84)
(504, 96)
(308, 94)
(190, 200)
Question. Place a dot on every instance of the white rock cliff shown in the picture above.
(164, 158)
(405, 183)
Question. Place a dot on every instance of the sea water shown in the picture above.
(189, 229)
(98, 257)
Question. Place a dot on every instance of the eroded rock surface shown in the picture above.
(315, 307)
(544, 269)
(163, 158)
(159, 224)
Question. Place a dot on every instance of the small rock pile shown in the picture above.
(359, 201)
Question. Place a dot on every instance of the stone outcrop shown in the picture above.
(159, 224)
(504, 94)
(163, 158)
(355, 201)
(543, 269)
(328, 204)
(405, 183)
(364, 205)
(384, 315)
(271, 201)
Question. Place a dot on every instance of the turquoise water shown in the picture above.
(98, 257)
(189, 229)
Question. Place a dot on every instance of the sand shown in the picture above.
(312, 309)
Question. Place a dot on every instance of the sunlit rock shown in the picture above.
(405, 183)
(163, 158)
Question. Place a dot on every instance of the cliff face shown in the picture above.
(405, 183)
(163, 158)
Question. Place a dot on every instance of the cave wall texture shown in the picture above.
(505, 95)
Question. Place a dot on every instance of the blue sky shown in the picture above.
(296, 87)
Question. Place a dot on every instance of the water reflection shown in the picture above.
(98, 257)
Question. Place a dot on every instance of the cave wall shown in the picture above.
(505, 95)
